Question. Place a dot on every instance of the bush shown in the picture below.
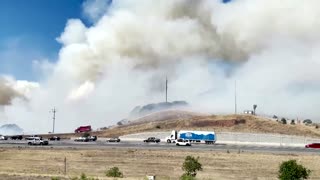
(84, 177)
(284, 121)
(114, 172)
(158, 126)
(191, 165)
(290, 170)
(187, 177)
(307, 122)
(292, 122)
(55, 178)
(317, 126)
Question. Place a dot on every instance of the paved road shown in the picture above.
(67, 144)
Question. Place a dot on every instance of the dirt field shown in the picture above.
(26, 163)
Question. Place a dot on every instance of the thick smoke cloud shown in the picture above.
(11, 89)
(271, 48)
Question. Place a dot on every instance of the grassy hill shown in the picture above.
(177, 120)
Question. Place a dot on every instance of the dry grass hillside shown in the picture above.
(169, 120)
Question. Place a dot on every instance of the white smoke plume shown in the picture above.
(270, 47)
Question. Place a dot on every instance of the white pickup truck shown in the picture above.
(37, 141)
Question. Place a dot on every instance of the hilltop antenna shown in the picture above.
(54, 111)
(235, 96)
(166, 89)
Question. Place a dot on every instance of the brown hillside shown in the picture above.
(218, 123)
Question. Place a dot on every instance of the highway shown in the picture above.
(67, 144)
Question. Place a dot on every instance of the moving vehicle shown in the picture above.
(207, 137)
(92, 138)
(54, 138)
(113, 140)
(32, 137)
(86, 139)
(152, 139)
(3, 137)
(83, 129)
(37, 141)
(182, 142)
(16, 137)
(81, 139)
(313, 145)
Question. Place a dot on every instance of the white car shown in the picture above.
(182, 142)
(82, 139)
(37, 141)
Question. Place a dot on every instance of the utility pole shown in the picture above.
(235, 97)
(166, 89)
(53, 118)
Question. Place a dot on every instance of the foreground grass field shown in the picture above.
(26, 163)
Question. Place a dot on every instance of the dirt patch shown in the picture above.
(221, 123)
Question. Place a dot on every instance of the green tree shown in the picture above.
(290, 170)
(307, 121)
(114, 172)
(284, 121)
(191, 165)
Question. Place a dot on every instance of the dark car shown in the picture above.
(313, 145)
(113, 140)
(16, 137)
(54, 138)
(92, 138)
(152, 139)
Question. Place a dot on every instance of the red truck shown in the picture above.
(83, 129)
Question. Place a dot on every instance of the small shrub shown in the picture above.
(191, 165)
(307, 122)
(114, 172)
(284, 121)
(292, 122)
(55, 178)
(158, 127)
(290, 170)
(187, 177)
(317, 126)
(83, 176)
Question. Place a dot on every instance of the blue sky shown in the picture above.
(28, 32)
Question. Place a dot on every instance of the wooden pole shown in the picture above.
(65, 165)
